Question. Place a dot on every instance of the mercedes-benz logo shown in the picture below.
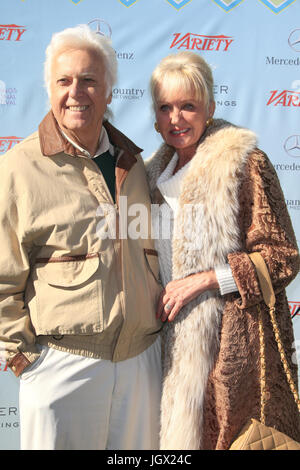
(101, 27)
(292, 146)
(294, 40)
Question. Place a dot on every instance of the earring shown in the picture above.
(209, 122)
(156, 127)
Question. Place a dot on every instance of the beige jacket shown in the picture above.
(64, 283)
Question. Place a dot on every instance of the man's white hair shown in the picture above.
(82, 37)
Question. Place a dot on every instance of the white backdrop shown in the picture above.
(253, 47)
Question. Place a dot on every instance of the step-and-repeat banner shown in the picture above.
(253, 47)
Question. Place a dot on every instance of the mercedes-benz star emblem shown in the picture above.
(292, 145)
(294, 40)
(101, 27)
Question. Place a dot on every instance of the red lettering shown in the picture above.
(185, 43)
(201, 42)
(293, 100)
(2, 31)
(10, 31)
(284, 99)
(274, 97)
(227, 42)
(197, 43)
(294, 308)
(176, 40)
(281, 100)
(210, 44)
(20, 32)
(218, 41)
(2, 145)
(7, 143)
(5, 367)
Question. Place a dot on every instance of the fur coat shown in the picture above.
(211, 350)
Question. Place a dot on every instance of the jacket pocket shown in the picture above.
(68, 295)
(151, 258)
(153, 278)
(150, 292)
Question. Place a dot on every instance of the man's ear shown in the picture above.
(108, 101)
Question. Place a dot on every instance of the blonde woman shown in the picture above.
(221, 200)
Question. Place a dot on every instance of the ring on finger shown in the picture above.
(168, 306)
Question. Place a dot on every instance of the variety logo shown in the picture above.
(277, 5)
(228, 5)
(292, 146)
(294, 40)
(7, 143)
(284, 98)
(201, 42)
(294, 308)
(11, 32)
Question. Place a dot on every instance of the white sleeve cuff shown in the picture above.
(225, 279)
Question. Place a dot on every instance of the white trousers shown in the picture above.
(70, 402)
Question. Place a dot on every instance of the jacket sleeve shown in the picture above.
(17, 338)
(266, 228)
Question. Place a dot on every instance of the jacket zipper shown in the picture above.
(117, 246)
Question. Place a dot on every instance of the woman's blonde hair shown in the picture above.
(184, 71)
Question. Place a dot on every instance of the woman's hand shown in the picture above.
(179, 293)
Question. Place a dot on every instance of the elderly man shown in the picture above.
(77, 298)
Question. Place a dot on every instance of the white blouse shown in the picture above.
(163, 225)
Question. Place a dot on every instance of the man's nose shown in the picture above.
(75, 88)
